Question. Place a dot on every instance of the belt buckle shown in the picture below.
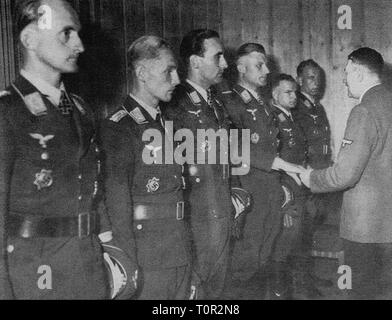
(81, 224)
(180, 210)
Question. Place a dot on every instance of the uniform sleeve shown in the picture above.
(6, 162)
(359, 140)
(118, 175)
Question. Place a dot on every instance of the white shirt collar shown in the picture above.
(309, 97)
(373, 85)
(285, 111)
(151, 110)
(199, 89)
(52, 93)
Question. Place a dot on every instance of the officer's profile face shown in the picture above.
(161, 76)
(212, 63)
(254, 69)
(310, 81)
(284, 94)
(55, 43)
(351, 79)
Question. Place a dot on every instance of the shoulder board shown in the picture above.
(78, 101)
(138, 116)
(118, 116)
(194, 97)
(4, 93)
(281, 117)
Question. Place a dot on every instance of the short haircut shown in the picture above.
(248, 48)
(307, 63)
(277, 79)
(26, 12)
(193, 43)
(145, 48)
(369, 58)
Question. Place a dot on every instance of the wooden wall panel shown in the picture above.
(153, 17)
(171, 23)
(7, 51)
(294, 30)
(200, 14)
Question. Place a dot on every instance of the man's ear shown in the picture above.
(29, 37)
(140, 72)
(300, 81)
(275, 94)
(194, 61)
(241, 67)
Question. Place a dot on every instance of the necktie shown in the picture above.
(160, 118)
(65, 105)
(212, 104)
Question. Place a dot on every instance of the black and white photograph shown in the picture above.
(208, 151)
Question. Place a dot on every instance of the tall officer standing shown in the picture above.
(311, 116)
(194, 107)
(248, 110)
(48, 172)
(144, 192)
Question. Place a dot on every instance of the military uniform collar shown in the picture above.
(136, 111)
(150, 110)
(199, 89)
(252, 92)
(308, 97)
(367, 90)
(52, 93)
(286, 112)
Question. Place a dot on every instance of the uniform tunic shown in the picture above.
(142, 197)
(313, 120)
(208, 190)
(293, 148)
(49, 168)
(263, 222)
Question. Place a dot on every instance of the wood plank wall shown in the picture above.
(7, 58)
(294, 30)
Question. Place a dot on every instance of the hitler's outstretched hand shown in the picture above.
(280, 164)
(305, 177)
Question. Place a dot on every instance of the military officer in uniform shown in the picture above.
(248, 110)
(311, 115)
(292, 148)
(48, 167)
(195, 106)
(144, 186)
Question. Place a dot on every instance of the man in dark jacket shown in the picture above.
(363, 171)
(143, 184)
(48, 167)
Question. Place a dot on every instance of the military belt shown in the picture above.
(80, 226)
(149, 211)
